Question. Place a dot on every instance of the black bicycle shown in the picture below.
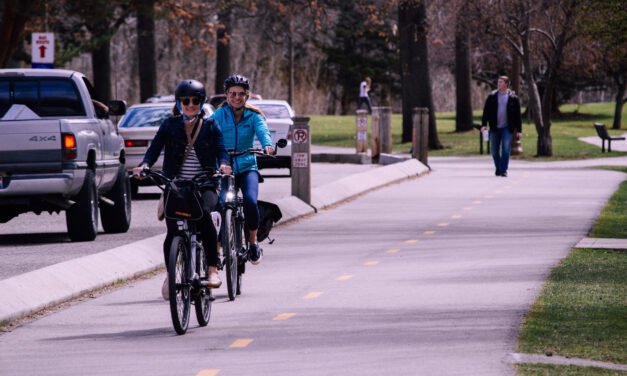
(233, 232)
(188, 269)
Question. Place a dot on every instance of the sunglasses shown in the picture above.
(234, 94)
(186, 101)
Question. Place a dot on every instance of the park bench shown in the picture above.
(602, 132)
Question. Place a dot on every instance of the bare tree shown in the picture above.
(14, 14)
(146, 49)
(463, 71)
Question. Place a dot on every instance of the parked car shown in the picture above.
(138, 127)
(279, 116)
(216, 100)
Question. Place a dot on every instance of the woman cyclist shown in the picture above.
(208, 153)
(239, 123)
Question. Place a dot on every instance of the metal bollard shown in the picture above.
(301, 159)
(420, 139)
(361, 139)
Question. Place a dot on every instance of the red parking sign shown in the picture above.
(300, 136)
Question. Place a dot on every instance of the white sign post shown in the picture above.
(42, 51)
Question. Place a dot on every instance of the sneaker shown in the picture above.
(504, 174)
(255, 254)
(214, 281)
(165, 290)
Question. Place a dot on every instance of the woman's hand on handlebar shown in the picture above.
(137, 171)
(226, 169)
(269, 150)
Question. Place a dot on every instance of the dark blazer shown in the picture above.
(209, 146)
(514, 121)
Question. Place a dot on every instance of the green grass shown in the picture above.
(575, 121)
(550, 370)
(612, 222)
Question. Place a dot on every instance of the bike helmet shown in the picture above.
(236, 80)
(190, 88)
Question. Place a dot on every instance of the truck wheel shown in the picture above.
(117, 218)
(82, 217)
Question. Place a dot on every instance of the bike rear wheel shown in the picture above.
(202, 295)
(229, 247)
(179, 286)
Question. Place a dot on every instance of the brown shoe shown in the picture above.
(214, 281)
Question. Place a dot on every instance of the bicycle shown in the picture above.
(188, 269)
(233, 231)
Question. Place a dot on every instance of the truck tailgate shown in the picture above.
(28, 146)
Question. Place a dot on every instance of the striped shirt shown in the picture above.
(191, 166)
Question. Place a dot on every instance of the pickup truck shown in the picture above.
(59, 151)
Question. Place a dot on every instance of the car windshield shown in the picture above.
(145, 117)
(274, 111)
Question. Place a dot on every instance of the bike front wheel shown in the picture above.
(230, 249)
(179, 285)
(202, 295)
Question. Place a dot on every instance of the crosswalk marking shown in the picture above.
(241, 343)
(283, 316)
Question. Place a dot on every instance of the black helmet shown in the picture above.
(190, 88)
(236, 80)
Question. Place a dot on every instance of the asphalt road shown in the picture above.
(426, 277)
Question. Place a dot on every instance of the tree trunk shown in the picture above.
(413, 28)
(619, 101)
(515, 75)
(290, 62)
(463, 107)
(146, 49)
(14, 15)
(101, 65)
(223, 50)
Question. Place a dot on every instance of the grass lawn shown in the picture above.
(582, 309)
(575, 121)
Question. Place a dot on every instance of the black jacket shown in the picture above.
(514, 121)
(209, 146)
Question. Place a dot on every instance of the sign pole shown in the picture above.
(301, 159)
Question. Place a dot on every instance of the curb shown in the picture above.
(31, 292)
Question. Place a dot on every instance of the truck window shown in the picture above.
(45, 97)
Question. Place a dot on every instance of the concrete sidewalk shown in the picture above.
(619, 145)
(33, 291)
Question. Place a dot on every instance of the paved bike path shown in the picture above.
(33, 291)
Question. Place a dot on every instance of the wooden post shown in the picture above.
(516, 145)
(375, 138)
(385, 129)
(420, 144)
(301, 159)
(361, 140)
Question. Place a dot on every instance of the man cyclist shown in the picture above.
(240, 122)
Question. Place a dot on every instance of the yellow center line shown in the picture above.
(429, 232)
(344, 277)
(241, 343)
(476, 202)
(313, 295)
(498, 191)
(371, 263)
(411, 241)
(283, 316)
(456, 216)
(488, 196)
(208, 372)
(468, 208)
(443, 224)
(393, 250)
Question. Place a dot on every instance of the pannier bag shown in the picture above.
(183, 201)
(269, 214)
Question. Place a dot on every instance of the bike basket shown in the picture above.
(269, 214)
(183, 201)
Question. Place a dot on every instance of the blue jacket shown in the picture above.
(241, 136)
(209, 146)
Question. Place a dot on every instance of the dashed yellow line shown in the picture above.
(429, 232)
(488, 196)
(241, 343)
(476, 202)
(456, 216)
(443, 224)
(393, 250)
(468, 208)
(371, 263)
(344, 277)
(283, 316)
(411, 241)
(208, 372)
(498, 191)
(313, 295)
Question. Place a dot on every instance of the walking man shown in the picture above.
(364, 88)
(502, 113)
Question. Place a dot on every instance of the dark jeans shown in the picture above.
(365, 100)
(207, 230)
(501, 144)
